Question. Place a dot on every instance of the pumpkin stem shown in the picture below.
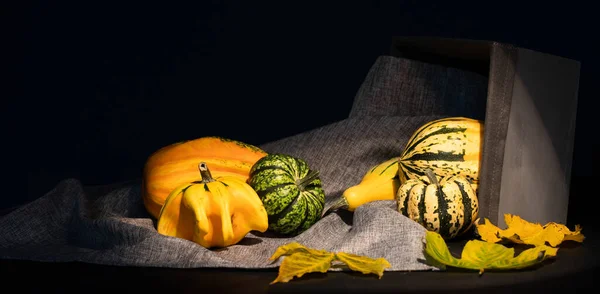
(310, 176)
(432, 178)
(340, 203)
(205, 173)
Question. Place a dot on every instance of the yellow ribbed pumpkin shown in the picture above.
(447, 205)
(213, 212)
(177, 164)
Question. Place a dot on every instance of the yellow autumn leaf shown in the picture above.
(363, 264)
(521, 231)
(488, 232)
(300, 260)
(296, 247)
(481, 255)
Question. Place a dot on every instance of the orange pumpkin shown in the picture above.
(177, 164)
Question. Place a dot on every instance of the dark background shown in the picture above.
(103, 85)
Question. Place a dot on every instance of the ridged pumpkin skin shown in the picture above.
(448, 146)
(177, 164)
(448, 206)
(213, 212)
(291, 193)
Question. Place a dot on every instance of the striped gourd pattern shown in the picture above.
(291, 193)
(448, 207)
(448, 146)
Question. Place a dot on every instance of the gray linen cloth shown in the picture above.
(109, 224)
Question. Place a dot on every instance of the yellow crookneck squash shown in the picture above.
(177, 164)
(213, 212)
(380, 182)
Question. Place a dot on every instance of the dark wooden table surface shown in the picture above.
(575, 268)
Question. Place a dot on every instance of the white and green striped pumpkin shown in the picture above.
(448, 146)
(291, 192)
(448, 206)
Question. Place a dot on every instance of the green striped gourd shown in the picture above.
(448, 206)
(448, 146)
(291, 192)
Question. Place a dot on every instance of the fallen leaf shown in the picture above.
(488, 232)
(521, 231)
(480, 255)
(363, 264)
(300, 260)
(296, 247)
